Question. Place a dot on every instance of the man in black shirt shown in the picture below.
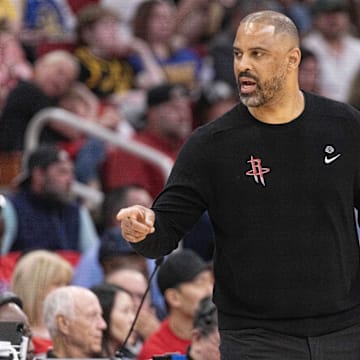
(279, 175)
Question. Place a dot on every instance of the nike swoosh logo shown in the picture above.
(330, 160)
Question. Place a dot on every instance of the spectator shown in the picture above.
(46, 25)
(309, 71)
(136, 284)
(118, 312)
(205, 338)
(11, 310)
(13, 64)
(104, 55)
(54, 73)
(112, 251)
(215, 99)
(154, 22)
(168, 124)
(73, 316)
(335, 48)
(87, 152)
(35, 275)
(41, 214)
(184, 279)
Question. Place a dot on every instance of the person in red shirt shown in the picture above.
(184, 280)
(168, 124)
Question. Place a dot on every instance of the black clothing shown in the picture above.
(281, 200)
(264, 344)
(23, 102)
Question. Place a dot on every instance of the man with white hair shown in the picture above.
(73, 316)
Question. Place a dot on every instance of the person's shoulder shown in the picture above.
(323, 103)
(332, 111)
(229, 120)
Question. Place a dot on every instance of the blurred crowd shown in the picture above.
(147, 72)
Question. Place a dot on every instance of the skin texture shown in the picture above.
(266, 61)
(80, 336)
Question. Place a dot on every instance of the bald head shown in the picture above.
(272, 22)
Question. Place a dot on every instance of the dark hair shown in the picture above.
(106, 294)
(115, 200)
(306, 54)
(141, 18)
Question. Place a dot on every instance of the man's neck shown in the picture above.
(66, 351)
(282, 111)
(181, 325)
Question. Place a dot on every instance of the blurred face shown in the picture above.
(55, 78)
(308, 74)
(333, 24)
(57, 179)
(102, 36)
(85, 329)
(260, 63)
(133, 281)
(161, 23)
(121, 317)
(174, 119)
(190, 293)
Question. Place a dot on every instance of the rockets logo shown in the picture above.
(257, 171)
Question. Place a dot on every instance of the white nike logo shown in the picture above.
(330, 160)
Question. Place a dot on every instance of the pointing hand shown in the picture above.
(136, 222)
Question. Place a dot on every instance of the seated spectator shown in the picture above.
(205, 338)
(35, 275)
(168, 124)
(54, 73)
(41, 213)
(73, 316)
(184, 279)
(46, 25)
(215, 99)
(104, 55)
(119, 313)
(309, 71)
(335, 47)
(154, 22)
(87, 152)
(11, 310)
(112, 251)
(133, 281)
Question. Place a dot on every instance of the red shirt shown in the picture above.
(163, 341)
(121, 168)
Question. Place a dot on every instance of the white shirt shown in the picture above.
(337, 70)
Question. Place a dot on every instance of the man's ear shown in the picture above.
(172, 297)
(63, 324)
(294, 58)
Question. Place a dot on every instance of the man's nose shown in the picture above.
(242, 64)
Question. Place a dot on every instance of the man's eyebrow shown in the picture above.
(256, 48)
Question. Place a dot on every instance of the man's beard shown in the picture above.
(55, 197)
(263, 93)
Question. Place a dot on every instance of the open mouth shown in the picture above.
(247, 85)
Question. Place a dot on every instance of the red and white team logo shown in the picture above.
(257, 171)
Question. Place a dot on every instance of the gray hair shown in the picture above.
(281, 23)
(60, 301)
